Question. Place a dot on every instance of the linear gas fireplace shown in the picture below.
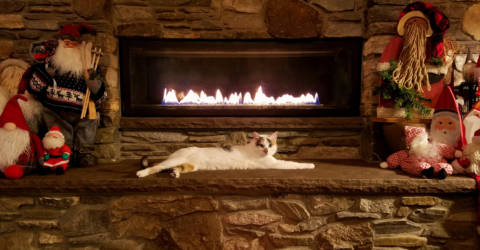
(240, 78)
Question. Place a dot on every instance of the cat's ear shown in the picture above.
(255, 135)
(274, 136)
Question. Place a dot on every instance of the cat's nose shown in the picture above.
(265, 150)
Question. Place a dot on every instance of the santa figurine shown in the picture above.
(446, 126)
(62, 79)
(57, 153)
(20, 150)
(422, 158)
(417, 59)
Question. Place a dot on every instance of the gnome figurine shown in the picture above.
(20, 149)
(57, 153)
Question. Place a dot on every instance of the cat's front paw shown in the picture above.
(175, 173)
(142, 173)
(308, 165)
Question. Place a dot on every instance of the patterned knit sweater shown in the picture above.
(60, 92)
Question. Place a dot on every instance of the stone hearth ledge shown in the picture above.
(342, 177)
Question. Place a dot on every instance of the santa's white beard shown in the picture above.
(445, 136)
(68, 60)
(14, 143)
(52, 143)
(422, 148)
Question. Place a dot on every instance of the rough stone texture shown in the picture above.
(419, 201)
(58, 202)
(471, 21)
(13, 203)
(279, 240)
(208, 234)
(47, 238)
(322, 205)
(133, 14)
(145, 29)
(258, 218)
(325, 152)
(153, 137)
(335, 5)
(349, 215)
(138, 226)
(428, 214)
(17, 241)
(243, 204)
(343, 29)
(376, 45)
(339, 236)
(38, 224)
(11, 6)
(246, 6)
(291, 19)
(163, 206)
(384, 206)
(11, 21)
(394, 226)
(403, 240)
(290, 209)
(84, 220)
(89, 8)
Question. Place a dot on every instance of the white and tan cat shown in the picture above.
(257, 154)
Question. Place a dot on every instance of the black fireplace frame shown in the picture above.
(129, 47)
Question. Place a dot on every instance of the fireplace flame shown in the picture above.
(170, 97)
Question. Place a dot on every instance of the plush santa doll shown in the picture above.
(422, 158)
(21, 149)
(57, 153)
(416, 59)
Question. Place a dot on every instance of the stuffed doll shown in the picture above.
(57, 153)
(20, 149)
(469, 163)
(422, 158)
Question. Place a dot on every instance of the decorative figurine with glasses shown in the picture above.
(66, 79)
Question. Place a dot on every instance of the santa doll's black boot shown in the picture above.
(428, 173)
(442, 174)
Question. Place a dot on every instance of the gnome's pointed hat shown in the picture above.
(447, 106)
(13, 113)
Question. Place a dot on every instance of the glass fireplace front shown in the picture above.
(240, 77)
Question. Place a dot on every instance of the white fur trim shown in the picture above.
(383, 66)
(437, 69)
(14, 62)
(55, 132)
(383, 164)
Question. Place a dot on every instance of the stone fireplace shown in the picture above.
(344, 203)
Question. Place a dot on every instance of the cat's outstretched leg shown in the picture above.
(169, 163)
(184, 168)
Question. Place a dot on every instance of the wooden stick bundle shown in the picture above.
(91, 58)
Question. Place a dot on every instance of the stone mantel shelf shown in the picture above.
(356, 123)
(328, 177)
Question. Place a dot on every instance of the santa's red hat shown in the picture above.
(74, 32)
(412, 132)
(13, 113)
(476, 137)
(437, 21)
(55, 130)
(448, 106)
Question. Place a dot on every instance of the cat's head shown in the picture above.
(265, 144)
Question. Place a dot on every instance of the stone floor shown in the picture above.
(328, 176)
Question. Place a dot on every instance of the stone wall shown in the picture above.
(25, 21)
(162, 221)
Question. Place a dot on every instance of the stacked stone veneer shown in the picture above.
(25, 21)
(159, 221)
